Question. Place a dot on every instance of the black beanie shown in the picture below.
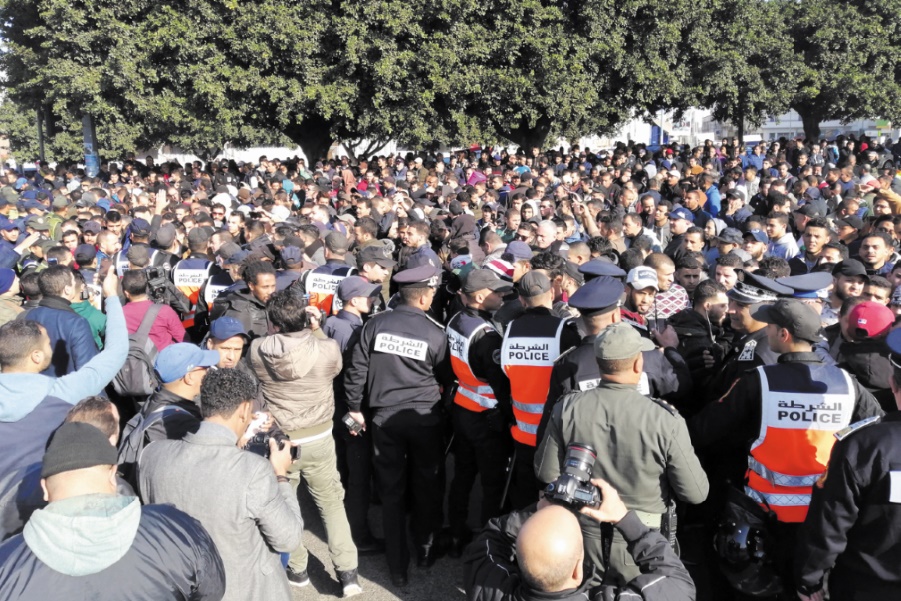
(76, 446)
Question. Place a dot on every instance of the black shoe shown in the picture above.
(399, 578)
(458, 546)
(349, 582)
(300, 579)
(426, 557)
(370, 546)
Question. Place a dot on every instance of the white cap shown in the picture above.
(642, 277)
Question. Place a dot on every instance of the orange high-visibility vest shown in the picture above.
(189, 275)
(802, 408)
(472, 393)
(531, 345)
(322, 284)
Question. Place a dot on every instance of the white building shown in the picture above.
(790, 126)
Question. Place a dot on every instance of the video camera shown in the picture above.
(259, 443)
(573, 486)
(157, 280)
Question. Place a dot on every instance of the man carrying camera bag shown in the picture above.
(641, 444)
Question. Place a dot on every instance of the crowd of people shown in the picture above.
(630, 355)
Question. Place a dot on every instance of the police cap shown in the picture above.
(600, 295)
(600, 268)
(757, 289)
(422, 276)
(808, 285)
(798, 318)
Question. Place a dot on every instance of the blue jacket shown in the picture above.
(32, 407)
(70, 335)
(8, 256)
(714, 202)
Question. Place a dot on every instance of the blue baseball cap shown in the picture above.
(355, 286)
(519, 250)
(176, 360)
(682, 213)
(227, 327)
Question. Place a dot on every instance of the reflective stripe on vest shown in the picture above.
(797, 428)
(122, 261)
(472, 393)
(528, 360)
(778, 500)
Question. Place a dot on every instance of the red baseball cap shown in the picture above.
(870, 319)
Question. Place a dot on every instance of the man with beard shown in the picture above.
(816, 235)
(849, 277)
(755, 244)
(688, 274)
(876, 250)
(702, 339)
(680, 220)
(641, 288)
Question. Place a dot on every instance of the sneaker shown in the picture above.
(349, 582)
(297, 578)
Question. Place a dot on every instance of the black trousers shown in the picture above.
(524, 486)
(478, 450)
(355, 466)
(409, 447)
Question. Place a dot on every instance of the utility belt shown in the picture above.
(665, 523)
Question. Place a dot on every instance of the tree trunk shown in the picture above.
(526, 136)
(314, 136)
(811, 120)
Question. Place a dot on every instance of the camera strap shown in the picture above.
(606, 546)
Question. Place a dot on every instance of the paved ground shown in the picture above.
(443, 581)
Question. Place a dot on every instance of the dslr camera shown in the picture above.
(573, 486)
(259, 444)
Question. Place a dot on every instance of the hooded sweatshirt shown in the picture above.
(32, 406)
(296, 371)
(105, 547)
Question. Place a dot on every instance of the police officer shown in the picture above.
(854, 521)
(643, 447)
(354, 450)
(400, 363)
(321, 283)
(752, 349)
(665, 372)
(784, 416)
(812, 289)
(190, 274)
(481, 407)
(532, 343)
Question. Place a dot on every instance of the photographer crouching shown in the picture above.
(538, 555)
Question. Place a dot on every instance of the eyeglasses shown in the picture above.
(522, 237)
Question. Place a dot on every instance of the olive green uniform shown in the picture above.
(643, 451)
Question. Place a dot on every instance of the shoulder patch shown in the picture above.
(857, 426)
(672, 410)
(565, 353)
(747, 353)
(496, 356)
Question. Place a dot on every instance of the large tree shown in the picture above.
(744, 67)
(850, 58)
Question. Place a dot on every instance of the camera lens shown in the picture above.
(579, 461)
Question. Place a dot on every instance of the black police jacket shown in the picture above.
(854, 522)
(401, 361)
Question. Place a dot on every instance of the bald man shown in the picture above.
(536, 555)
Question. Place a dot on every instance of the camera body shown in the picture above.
(157, 281)
(573, 486)
(259, 443)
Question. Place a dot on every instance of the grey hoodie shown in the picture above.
(83, 535)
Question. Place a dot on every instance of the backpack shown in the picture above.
(134, 439)
(137, 376)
